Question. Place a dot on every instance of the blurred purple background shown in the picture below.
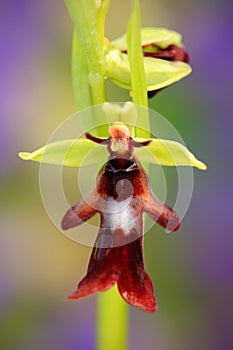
(193, 269)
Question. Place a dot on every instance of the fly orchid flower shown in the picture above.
(122, 194)
(165, 60)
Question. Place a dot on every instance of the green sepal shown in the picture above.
(126, 114)
(166, 152)
(159, 73)
(71, 153)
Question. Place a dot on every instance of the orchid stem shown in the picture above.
(112, 321)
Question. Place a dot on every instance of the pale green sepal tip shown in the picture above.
(71, 153)
(159, 36)
(24, 155)
(166, 152)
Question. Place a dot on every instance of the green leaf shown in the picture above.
(166, 152)
(72, 153)
(159, 73)
(159, 36)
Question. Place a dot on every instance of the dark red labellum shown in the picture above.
(122, 194)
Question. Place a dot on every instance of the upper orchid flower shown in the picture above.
(165, 60)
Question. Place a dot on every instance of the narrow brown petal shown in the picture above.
(80, 212)
(161, 213)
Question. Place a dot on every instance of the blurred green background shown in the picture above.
(192, 270)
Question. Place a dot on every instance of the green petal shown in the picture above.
(159, 36)
(166, 152)
(72, 153)
(126, 113)
(159, 73)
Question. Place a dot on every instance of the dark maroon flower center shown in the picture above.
(171, 53)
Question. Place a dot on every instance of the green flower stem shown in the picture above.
(79, 68)
(112, 321)
(85, 18)
(80, 81)
(137, 70)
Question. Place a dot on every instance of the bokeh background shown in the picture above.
(192, 270)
